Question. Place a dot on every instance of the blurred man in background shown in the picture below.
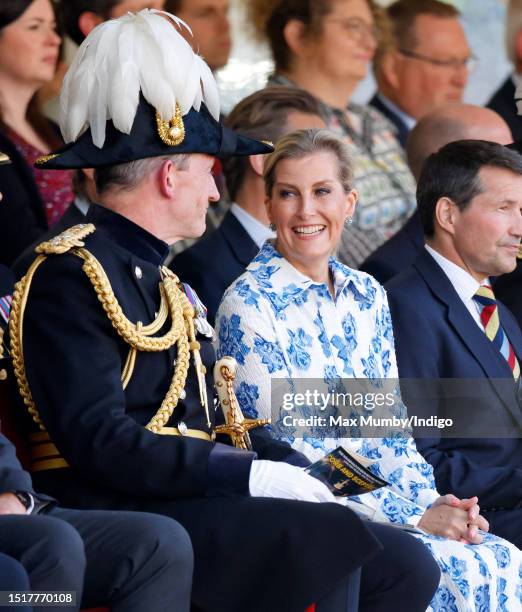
(208, 20)
(426, 63)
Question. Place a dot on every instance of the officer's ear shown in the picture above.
(166, 178)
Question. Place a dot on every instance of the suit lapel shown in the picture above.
(490, 359)
(487, 356)
(242, 246)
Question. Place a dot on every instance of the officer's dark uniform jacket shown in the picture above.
(73, 361)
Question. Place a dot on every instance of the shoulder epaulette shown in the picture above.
(70, 238)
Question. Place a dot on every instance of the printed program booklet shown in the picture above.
(346, 473)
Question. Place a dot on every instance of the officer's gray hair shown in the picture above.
(125, 177)
(513, 27)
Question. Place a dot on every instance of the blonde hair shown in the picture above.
(301, 143)
(513, 27)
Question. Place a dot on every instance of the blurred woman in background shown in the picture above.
(325, 47)
(33, 199)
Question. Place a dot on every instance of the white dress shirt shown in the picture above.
(463, 283)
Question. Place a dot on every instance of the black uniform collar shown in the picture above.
(128, 235)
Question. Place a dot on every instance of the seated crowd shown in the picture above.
(144, 235)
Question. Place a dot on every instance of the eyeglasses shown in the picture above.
(357, 29)
(469, 63)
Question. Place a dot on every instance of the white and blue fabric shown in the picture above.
(278, 323)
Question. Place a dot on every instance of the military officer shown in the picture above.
(113, 358)
(127, 560)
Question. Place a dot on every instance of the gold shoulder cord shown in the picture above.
(138, 336)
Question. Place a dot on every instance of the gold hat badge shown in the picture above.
(171, 132)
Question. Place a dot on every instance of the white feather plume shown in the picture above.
(121, 57)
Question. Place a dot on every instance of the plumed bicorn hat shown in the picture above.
(136, 89)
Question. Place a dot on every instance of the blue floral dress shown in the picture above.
(279, 324)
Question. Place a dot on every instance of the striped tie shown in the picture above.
(485, 298)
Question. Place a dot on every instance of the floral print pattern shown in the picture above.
(280, 325)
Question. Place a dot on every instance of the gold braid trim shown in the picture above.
(173, 302)
(16, 317)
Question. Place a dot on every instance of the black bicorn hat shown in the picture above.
(137, 90)
(150, 136)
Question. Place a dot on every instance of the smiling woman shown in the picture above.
(33, 199)
(298, 313)
(309, 199)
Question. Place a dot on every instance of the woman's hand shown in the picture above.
(456, 519)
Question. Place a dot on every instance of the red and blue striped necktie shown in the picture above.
(485, 298)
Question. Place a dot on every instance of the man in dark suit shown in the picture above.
(425, 65)
(446, 124)
(448, 324)
(214, 263)
(503, 100)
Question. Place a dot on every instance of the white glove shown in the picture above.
(277, 479)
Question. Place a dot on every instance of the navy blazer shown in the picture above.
(401, 127)
(396, 254)
(214, 263)
(436, 337)
(503, 102)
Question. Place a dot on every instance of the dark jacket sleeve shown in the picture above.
(12, 476)
(74, 366)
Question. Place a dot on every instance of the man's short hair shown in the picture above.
(70, 10)
(401, 16)
(453, 172)
(263, 116)
(126, 177)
